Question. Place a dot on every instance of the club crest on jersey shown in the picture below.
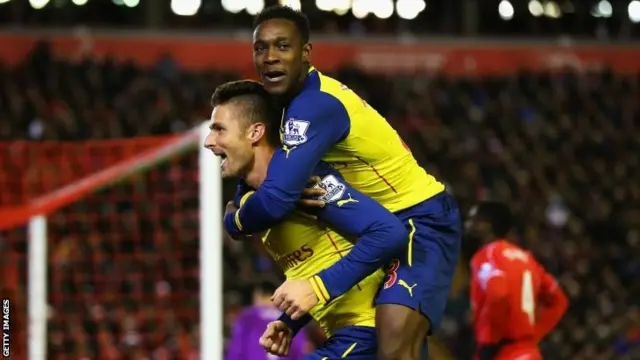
(486, 272)
(294, 132)
(334, 188)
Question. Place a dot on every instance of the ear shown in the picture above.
(256, 131)
(306, 52)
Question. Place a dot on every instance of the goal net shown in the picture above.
(102, 257)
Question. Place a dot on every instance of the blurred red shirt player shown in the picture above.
(515, 302)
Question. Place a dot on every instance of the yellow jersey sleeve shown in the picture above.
(373, 158)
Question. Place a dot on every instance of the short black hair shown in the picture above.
(287, 13)
(257, 102)
(497, 214)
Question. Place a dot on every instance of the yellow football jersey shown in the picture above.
(302, 248)
(366, 150)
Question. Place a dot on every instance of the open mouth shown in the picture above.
(274, 76)
(222, 156)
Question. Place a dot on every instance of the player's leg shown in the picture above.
(400, 329)
(352, 342)
(413, 298)
(399, 323)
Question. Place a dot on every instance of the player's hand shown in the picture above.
(311, 193)
(276, 339)
(295, 298)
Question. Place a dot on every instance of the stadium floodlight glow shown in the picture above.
(234, 6)
(634, 11)
(603, 9)
(185, 7)
(294, 4)
(552, 10)
(360, 8)
(505, 9)
(118, 2)
(325, 5)
(4, 1)
(254, 6)
(410, 9)
(535, 8)
(131, 3)
(38, 4)
(382, 9)
(79, 2)
(342, 7)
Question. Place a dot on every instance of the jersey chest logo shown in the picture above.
(294, 132)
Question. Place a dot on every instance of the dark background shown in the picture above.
(561, 148)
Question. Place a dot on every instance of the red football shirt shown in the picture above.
(513, 297)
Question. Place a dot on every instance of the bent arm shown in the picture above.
(380, 235)
(554, 303)
(316, 122)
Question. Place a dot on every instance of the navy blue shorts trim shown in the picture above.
(421, 277)
(352, 342)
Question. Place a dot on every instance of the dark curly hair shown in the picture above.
(285, 12)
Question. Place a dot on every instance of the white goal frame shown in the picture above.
(211, 240)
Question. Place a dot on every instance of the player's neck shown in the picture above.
(258, 172)
(286, 99)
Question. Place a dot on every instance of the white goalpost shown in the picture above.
(211, 317)
(211, 286)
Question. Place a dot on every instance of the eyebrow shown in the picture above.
(278, 38)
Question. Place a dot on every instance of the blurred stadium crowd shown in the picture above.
(562, 149)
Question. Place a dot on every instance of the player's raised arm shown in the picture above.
(381, 236)
(553, 304)
(315, 122)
